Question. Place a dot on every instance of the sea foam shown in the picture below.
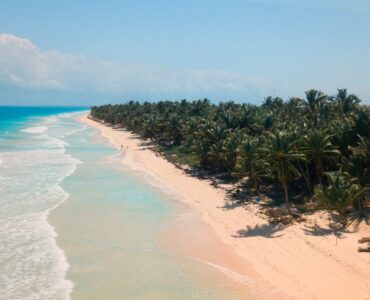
(31, 263)
(35, 129)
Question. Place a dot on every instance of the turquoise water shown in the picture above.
(14, 117)
(32, 164)
(107, 219)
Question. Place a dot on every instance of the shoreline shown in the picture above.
(292, 261)
(106, 263)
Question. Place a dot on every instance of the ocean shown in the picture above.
(33, 162)
(77, 224)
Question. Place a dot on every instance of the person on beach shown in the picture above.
(124, 150)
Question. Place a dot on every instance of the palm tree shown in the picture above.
(357, 169)
(282, 156)
(315, 100)
(202, 139)
(316, 104)
(223, 152)
(340, 194)
(346, 103)
(150, 127)
(249, 161)
(293, 108)
(318, 148)
(229, 149)
(173, 129)
(273, 103)
(283, 137)
(362, 149)
(215, 155)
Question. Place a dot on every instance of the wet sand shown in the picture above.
(303, 261)
(119, 248)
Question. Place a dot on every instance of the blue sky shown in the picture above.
(87, 52)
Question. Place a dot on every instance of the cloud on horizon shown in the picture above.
(24, 65)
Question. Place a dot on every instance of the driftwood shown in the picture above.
(364, 249)
(364, 240)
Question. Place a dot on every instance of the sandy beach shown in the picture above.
(300, 261)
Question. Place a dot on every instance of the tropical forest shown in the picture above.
(306, 153)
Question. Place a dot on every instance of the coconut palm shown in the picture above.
(318, 148)
(357, 169)
(173, 130)
(215, 156)
(290, 140)
(250, 162)
(362, 149)
(315, 101)
(273, 103)
(223, 153)
(346, 103)
(340, 194)
(281, 156)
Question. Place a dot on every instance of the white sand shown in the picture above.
(288, 260)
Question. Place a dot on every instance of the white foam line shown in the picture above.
(245, 280)
(36, 129)
(64, 264)
(186, 216)
(76, 131)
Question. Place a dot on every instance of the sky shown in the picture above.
(79, 52)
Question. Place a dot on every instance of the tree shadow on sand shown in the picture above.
(317, 230)
(265, 230)
(335, 227)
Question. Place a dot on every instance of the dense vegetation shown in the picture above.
(321, 143)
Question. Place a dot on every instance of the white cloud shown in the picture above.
(24, 64)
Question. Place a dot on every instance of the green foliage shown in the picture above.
(282, 156)
(339, 195)
(362, 149)
(280, 141)
(317, 148)
(250, 162)
(180, 155)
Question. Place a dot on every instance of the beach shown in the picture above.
(114, 227)
(301, 261)
(77, 224)
(185, 150)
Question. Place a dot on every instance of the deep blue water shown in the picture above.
(12, 117)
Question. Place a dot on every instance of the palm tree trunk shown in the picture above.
(286, 196)
(306, 177)
(360, 205)
(344, 219)
(318, 170)
(320, 179)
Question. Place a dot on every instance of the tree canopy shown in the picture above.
(282, 141)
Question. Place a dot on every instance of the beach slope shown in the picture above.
(302, 261)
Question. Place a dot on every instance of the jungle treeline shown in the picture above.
(319, 142)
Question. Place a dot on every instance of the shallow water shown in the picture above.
(109, 221)
(33, 163)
